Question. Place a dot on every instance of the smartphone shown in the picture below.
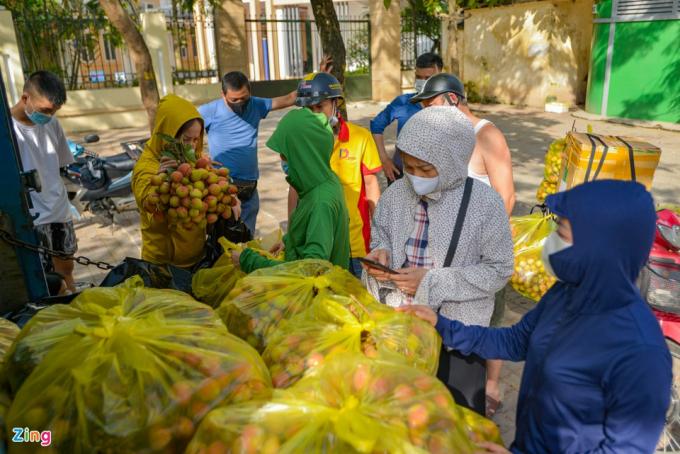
(379, 266)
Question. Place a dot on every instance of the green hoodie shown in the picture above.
(319, 226)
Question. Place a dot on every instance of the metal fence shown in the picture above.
(79, 47)
(191, 37)
(290, 48)
(417, 37)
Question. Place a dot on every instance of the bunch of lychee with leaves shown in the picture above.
(192, 195)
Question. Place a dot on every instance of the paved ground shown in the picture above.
(529, 132)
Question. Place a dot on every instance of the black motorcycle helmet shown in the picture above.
(316, 87)
(439, 84)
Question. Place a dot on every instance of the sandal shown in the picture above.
(492, 406)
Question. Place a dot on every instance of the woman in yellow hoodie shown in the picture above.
(161, 243)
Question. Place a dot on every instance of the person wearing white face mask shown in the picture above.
(491, 164)
(597, 372)
(446, 236)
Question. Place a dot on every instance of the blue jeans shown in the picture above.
(355, 268)
(249, 210)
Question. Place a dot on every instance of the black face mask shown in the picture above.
(239, 107)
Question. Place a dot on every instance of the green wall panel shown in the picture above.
(598, 61)
(603, 9)
(645, 79)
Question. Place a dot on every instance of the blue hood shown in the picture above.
(613, 225)
(597, 371)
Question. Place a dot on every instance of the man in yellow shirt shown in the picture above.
(355, 160)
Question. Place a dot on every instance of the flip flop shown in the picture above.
(492, 406)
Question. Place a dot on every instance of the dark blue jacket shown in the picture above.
(399, 109)
(598, 375)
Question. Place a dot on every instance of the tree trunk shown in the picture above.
(139, 53)
(452, 59)
(331, 40)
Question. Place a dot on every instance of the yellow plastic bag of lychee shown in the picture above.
(337, 324)
(553, 168)
(8, 332)
(528, 235)
(266, 298)
(479, 428)
(350, 404)
(128, 369)
(212, 285)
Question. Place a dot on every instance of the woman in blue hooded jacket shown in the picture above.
(597, 376)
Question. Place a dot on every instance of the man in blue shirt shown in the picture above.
(401, 109)
(232, 124)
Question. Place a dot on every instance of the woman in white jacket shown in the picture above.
(456, 271)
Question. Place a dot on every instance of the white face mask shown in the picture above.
(553, 244)
(422, 185)
(420, 83)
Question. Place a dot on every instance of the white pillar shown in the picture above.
(155, 35)
(254, 9)
(11, 59)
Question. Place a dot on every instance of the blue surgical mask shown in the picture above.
(422, 185)
(38, 118)
(419, 85)
(552, 245)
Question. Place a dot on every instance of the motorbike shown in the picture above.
(660, 286)
(97, 183)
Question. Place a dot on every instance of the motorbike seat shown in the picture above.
(119, 162)
(120, 157)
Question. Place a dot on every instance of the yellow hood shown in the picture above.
(171, 115)
(161, 243)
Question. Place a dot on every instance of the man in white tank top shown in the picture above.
(491, 164)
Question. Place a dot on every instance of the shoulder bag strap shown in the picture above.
(460, 219)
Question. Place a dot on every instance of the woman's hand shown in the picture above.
(278, 247)
(381, 256)
(423, 312)
(167, 163)
(486, 447)
(236, 209)
(408, 279)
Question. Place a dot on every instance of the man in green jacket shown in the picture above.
(319, 226)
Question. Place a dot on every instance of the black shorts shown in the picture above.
(58, 236)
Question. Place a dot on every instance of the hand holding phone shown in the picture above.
(377, 265)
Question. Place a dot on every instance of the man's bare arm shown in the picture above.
(498, 164)
(281, 102)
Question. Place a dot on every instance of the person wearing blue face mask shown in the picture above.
(401, 110)
(232, 123)
(446, 236)
(43, 147)
(597, 374)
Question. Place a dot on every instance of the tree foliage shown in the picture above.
(49, 31)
